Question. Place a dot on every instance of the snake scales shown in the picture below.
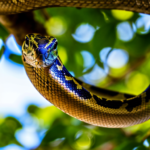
(55, 83)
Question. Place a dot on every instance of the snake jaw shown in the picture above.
(40, 51)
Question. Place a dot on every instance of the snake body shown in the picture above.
(18, 6)
(55, 83)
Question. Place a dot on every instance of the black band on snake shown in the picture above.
(54, 82)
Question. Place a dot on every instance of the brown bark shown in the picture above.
(21, 24)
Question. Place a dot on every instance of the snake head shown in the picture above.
(39, 51)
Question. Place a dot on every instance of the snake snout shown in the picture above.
(40, 51)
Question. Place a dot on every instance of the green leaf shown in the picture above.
(140, 147)
(148, 139)
(104, 37)
(3, 32)
(88, 70)
(38, 16)
(100, 64)
(7, 131)
(55, 132)
(2, 51)
(127, 144)
(15, 58)
(138, 46)
(32, 109)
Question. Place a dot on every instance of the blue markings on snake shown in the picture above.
(60, 73)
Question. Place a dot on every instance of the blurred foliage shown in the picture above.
(1, 51)
(3, 32)
(62, 132)
(67, 133)
(8, 127)
(16, 58)
(122, 15)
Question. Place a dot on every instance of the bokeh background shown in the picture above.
(106, 48)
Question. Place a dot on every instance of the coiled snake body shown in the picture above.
(54, 82)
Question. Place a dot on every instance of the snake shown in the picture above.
(51, 78)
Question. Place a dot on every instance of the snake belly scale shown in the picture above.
(55, 83)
